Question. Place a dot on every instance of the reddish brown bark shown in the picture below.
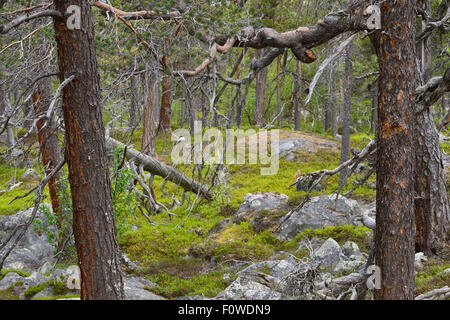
(395, 158)
(93, 215)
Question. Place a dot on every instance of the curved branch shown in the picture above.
(25, 18)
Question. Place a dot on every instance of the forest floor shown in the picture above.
(179, 253)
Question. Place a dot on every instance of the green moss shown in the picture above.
(358, 234)
(169, 286)
(33, 290)
(430, 278)
(21, 273)
(8, 294)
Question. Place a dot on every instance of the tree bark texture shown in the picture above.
(395, 158)
(93, 216)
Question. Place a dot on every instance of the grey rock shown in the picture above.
(46, 268)
(254, 202)
(70, 276)
(329, 253)
(350, 249)
(249, 287)
(10, 279)
(34, 279)
(319, 212)
(49, 291)
(136, 288)
(30, 175)
(33, 249)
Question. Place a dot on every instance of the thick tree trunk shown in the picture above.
(431, 202)
(50, 153)
(260, 94)
(93, 215)
(298, 98)
(395, 159)
(345, 146)
(152, 113)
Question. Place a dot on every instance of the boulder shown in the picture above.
(30, 175)
(33, 250)
(329, 253)
(250, 287)
(319, 212)
(9, 280)
(137, 288)
(262, 209)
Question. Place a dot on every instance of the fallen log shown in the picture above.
(158, 168)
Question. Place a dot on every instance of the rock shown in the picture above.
(262, 209)
(49, 291)
(339, 285)
(249, 287)
(319, 212)
(70, 276)
(33, 249)
(46, 268)
(30, 175)
(351, 251)
(10, 279)
(136, 288)
(328, 254)
(34, 279)
(128, 264)
(254, 202)
(220, 225)
(418, 259)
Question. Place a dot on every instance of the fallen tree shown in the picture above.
(158, 168)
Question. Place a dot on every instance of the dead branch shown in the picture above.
(158, 168)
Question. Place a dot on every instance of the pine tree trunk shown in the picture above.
(93, 215)
(345, 146)
(431, 202)
(134, 101)
(260, 94)
(298, 98)
(152, 113)
(333, 103)
(166, 100)
(394, 234)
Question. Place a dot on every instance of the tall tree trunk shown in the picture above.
(152, 113)
(4, 105)
(93, 215)
(345, 147)
(134, 101)
(260, 94)
(50, 153)
(279, 91)
(298, 98)
(239, 102)
(373, 120)
(394, 236)
(166, 98)
(431, 202)
(334, 100)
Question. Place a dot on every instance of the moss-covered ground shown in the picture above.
(179, 254)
